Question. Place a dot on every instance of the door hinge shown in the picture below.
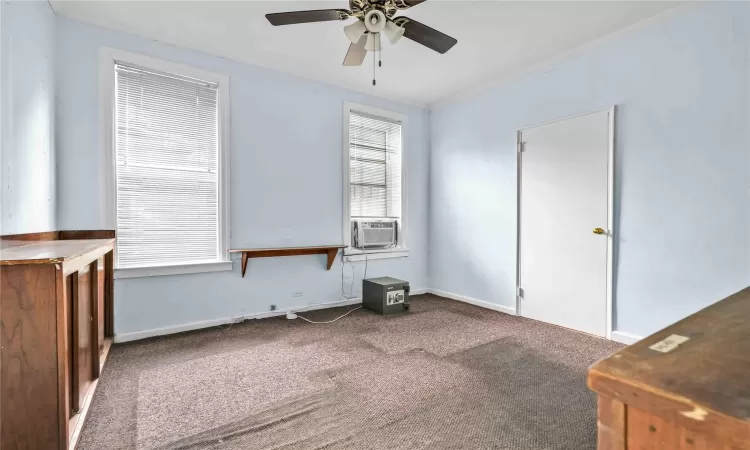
(519, 292)
(521, 146)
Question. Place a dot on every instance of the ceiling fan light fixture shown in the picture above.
(393, 32)
(372, 18)
(375, 21)
(355, 31)
(373, 42)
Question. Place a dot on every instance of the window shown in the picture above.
(373, 172)
(168, 169)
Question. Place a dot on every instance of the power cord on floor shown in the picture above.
(350, 296)
(291, 315)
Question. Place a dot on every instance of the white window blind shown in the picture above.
(167, 169)
(374, 167)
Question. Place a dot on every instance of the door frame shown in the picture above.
(610, 212)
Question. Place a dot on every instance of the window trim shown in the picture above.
(108, 189)
(176, 269)
(401, 250)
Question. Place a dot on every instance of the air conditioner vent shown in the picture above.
(369, 234)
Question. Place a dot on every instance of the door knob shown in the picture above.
(599, 231)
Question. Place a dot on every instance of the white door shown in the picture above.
(564, 193)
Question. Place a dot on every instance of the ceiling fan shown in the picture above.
(373, 18)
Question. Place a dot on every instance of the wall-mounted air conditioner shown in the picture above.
(374, 233)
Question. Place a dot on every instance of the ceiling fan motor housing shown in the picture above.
(375, 21)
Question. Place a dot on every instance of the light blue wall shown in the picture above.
(27, 125)
(682, 86)
(682, 166)
(286, 174)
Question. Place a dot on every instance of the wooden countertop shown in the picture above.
(47, 252)
(697, 369)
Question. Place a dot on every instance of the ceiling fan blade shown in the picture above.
(318, 15)
(356, 54)
(406, 4)
(422, 34)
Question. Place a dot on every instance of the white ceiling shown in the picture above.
(495, 38)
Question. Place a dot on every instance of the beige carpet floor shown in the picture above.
(445, 375)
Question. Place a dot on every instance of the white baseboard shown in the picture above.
(617, 336)
(144, 334)
(137, 335)
(625, 338)
(473, 301)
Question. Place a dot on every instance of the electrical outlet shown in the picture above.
(297, 294)
(273, 307)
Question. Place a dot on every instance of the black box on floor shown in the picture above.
(385, 295)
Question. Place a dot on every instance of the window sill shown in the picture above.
(352, 255)
(139, 272)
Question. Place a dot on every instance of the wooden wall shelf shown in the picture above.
(330, 250)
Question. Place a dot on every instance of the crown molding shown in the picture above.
(551, 63)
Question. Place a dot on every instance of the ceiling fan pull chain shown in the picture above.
(373, 68)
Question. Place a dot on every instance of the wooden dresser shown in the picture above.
(56, 319)
(685, 387)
